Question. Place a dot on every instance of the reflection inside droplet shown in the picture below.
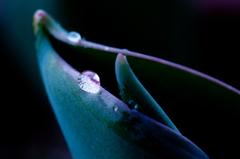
(89, 81)
(74, 36)
(96, 77)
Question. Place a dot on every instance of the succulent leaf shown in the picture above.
(98, 125)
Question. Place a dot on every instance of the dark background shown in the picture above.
(199, 34)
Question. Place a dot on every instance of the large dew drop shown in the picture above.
(74, 36)
(89, 81)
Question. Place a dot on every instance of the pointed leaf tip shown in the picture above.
(137, 97)
(37, 17)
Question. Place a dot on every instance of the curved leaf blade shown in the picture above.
(133, 92)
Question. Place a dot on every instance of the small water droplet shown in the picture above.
(74, 36)
(89, 81)
(106, 48)
(135, 106)
(132, 104)
(115, 108)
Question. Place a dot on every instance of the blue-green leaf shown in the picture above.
(98, 125)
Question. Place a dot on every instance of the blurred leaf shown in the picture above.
(98, 125)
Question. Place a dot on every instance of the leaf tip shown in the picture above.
(121, 60)
(37, 17)
(120, 56)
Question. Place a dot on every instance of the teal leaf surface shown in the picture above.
(99, 125)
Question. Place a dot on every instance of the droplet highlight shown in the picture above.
(74, 36)
(115, 108)
(89, 81)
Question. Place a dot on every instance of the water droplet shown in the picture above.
(135, 106)
(115, 108)
(89, 81)
(132, 104)
(106, 48)
(74, 36)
